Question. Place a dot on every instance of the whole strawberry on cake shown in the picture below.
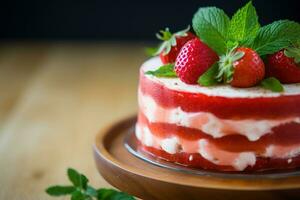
(224, 96)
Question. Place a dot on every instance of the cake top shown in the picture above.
(234, 52)
(217, 90)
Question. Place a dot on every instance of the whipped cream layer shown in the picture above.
(209, 151)
(220, 90)
(207, 122)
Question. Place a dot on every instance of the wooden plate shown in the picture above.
(147, 181)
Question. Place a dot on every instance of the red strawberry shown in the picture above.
(194, 58)
(242, 67)
(172, 44)
(282, 67)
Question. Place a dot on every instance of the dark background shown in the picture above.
(117, 20)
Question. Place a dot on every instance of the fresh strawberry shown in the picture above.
(284, 65)
(194, 58)
(241, 67)
(172, 43)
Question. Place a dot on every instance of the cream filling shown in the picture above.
(221, 90)
(238, 160)
(207, 122)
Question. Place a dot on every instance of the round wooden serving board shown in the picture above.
(147, 181)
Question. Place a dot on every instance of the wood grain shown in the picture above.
(147, 181)
(54, 99)
(17, 66)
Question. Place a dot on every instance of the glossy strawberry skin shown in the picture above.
(249, 70)
(283, 68)
(180, 42)
(194, 58)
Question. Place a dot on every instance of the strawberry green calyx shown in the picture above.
(169, 40)
(226, 67)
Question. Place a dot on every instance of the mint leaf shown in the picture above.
(84, 181)
(121, 196)
(106, 194)
(163, 71)
(78, 180)
(209, 77)
(91, 191)
(272, 84)
(244, 24)
(78, 195)
(111, 194)
(211, 25)
(74, 177)
(82, 191)
(276, 36)
(58, 190)
(293, 52)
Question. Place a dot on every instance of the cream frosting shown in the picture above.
(238, 160)
(220, 90)
(207, 122)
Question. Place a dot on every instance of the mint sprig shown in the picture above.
(59, 190)
(209, 78)
(220, 33)
(163, 71)
(211, 25)
(276, 36)
(244, 25)
(80, 190)
(272, 84)
(78, 180)
(215, 28)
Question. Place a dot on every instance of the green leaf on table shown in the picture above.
(272, 84)
(209, 77)
(91, 191)
(78, 195)
(82, 191)
(211, 25)
(74, 177)
(78, 180)
(244, 24)
(58, 190)
(275, 36)
(121, 196)
(163, 71)
(106, 194)
(84, 181)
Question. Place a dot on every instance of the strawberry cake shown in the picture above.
(223, 104)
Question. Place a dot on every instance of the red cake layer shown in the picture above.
(283, 135)
(198, 161)
(222, 107)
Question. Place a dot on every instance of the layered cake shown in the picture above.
(236, 109)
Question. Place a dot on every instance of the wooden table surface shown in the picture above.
(54, 98)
